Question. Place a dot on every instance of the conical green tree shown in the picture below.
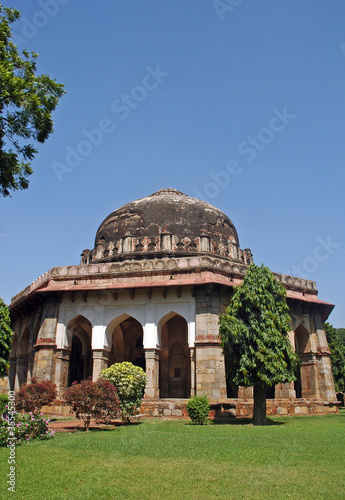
(254, 337)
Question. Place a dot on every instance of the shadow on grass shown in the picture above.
(237, 421)
(242, 421)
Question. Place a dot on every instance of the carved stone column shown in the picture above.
(61, 369)
(44, 362)
(192, 371)
(152, 372)
(100, 360)
(44, 366)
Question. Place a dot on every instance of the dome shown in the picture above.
(166, 222)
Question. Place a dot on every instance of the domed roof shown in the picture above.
(167, 221)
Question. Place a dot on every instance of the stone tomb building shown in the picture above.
(151, 290)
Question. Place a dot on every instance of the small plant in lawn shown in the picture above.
(198, 409)
(89, 399)
(130, 381)
(31, 397)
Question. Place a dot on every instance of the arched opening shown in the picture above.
(23, 358)
(302, 348)
(127, 343)
(174, 368)
(79, 332)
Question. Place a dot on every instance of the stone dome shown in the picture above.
(166, 222)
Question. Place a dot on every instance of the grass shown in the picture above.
(295, 457)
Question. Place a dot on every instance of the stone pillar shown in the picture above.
(152, 372)
(325, 376)
(44, 367)
(326, 384)
(44, 363)
(61, 369)
(209, 359)
(210, 371)
(100, 360)
(192, 371)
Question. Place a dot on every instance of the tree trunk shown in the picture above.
(259, 412)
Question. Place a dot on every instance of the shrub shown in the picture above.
(198, 408)
(3, 403)
(130, 381)
(26, 426)
(31, 397)
(89, 399)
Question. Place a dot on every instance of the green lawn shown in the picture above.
(297, 457)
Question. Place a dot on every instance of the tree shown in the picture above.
(336, 344)
(31, 397)
(93, 400)
(6, 336)
(130, 381)
(27, 101)
(253, 332)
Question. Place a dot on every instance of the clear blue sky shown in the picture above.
(239, 102)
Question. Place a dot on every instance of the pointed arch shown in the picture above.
(125, 335)
(164, 319)
(302, 340)
(79, 335)
(174, 370)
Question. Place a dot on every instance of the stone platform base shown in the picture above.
(176, 408)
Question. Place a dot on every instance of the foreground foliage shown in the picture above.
(89, 400)
(254, 336)
(294, 458)
(3, 403)
(198, 409)
(27, 101)
(6, 336)
(31, 397)
(130, 381)
(336, 344)
(26, 426)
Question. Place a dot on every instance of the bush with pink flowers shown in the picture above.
(18, 428)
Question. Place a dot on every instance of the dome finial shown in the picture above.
(168, 191)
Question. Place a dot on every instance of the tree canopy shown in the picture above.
(6, 336)
(254, 336)
(27, 101)
(336, 344)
